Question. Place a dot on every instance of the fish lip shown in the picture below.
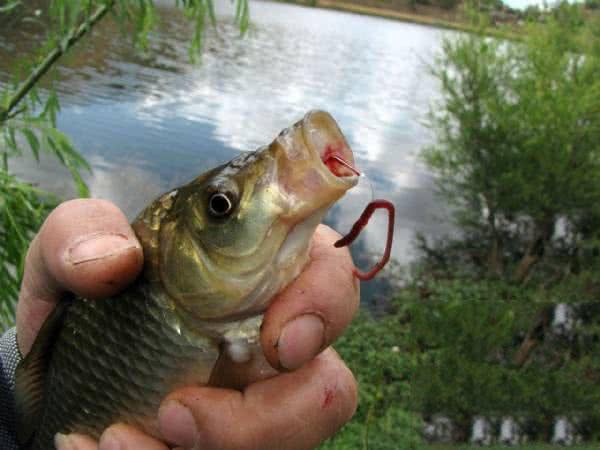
(341, 147)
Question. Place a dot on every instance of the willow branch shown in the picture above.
(43, 67)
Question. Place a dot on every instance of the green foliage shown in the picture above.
(532, 13)
(592, 4)
(9, 6)
(461, 330)
(396, 429)
(22, 210)
(448, 4)
(377, 353)
(503, 447)
(518, 129)
(517, 153)
(467, 334)
(449, 347)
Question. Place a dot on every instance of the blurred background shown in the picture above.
(479, 121)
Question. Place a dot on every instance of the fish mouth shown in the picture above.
(326, 142)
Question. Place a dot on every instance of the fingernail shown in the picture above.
(63, 442)
(109, 441)
(177, 424)
(98, 246)
(300, 341)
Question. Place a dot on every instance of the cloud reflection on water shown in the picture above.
(157, 121)
(373, 81)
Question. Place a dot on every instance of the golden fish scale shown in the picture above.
(114, 360)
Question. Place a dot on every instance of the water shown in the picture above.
(149, 122)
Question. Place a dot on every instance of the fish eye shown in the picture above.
(219, 204)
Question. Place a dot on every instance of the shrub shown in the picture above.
(470, 335)
(378, 353)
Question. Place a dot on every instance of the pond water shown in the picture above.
(149, 122)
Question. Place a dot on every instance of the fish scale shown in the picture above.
(112, 355)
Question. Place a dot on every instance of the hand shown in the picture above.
(87, 247)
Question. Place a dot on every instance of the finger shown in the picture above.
(292, 411)
(74, 442)
(84, 246)
(125, 437)
(314, 310)
(237, 375)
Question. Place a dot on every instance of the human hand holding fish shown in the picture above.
(88, 247)
(223, 254)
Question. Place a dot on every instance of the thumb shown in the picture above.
(85, 246)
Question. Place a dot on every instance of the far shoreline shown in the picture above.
(415, 18)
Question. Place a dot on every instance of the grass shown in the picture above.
(589, 446)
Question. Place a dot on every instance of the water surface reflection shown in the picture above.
(149, 122)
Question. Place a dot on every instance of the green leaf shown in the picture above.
(33, 141)
(9, 138)
(244, 19)
(82, 188)
(8, 7)
(211, 11)
(51, 108)
(56, 150)
(64, 44)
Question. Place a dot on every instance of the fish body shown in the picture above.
(216, 251)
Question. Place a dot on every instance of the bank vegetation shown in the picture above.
(478, 329)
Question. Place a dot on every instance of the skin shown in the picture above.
(87, 247)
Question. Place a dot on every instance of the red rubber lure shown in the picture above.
(362, 222)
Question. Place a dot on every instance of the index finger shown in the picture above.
(315, 309)
(86, 247)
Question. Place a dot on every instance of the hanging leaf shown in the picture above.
(33, 141)
(10, 6)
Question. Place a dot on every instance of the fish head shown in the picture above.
(224, 244)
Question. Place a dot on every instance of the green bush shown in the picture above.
(378, 353)
(592, 4)
(449, 347)
(468, 334)
(518, 135)
(518, 156)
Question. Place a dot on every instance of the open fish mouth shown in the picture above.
(315, 163)
(318, 168)
(324, 138)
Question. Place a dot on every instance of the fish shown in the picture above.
(216, 252)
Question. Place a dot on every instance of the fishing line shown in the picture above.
(371, 189)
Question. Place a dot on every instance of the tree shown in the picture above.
(592, 4)
(28, 114)
(518, 156)
(518, 135)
